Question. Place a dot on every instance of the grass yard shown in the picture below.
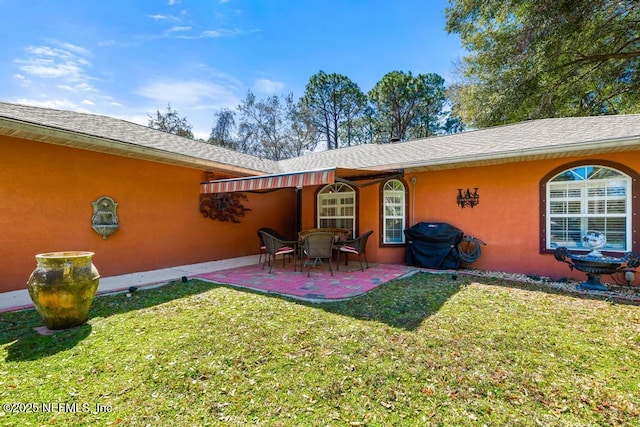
(425, 350)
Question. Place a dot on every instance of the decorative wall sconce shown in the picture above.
(468, 198)
(226, 207)
(104, 220)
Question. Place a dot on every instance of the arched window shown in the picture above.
(591, 197)
(393, 211)
(337, 207)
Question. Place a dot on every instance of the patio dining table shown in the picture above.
(341, 234)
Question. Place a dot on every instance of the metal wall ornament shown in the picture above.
(225, 207)
(467, 198)
(105, 219)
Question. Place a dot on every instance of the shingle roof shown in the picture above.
(107, 134)
(527, 140)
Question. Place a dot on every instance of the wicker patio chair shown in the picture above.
(263, 248)
(357, 247)
(274, 247)
(318, 246)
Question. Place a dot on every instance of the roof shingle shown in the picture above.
(526, 140)
(531, 139)
(121, 131)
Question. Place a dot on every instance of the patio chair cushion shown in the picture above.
(347, 248)
(275, 247)
(357, 247)
(284, 250)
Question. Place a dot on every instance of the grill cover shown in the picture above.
(433, 245)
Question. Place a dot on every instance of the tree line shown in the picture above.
(333, 111)
(526, 59)
(532, 59)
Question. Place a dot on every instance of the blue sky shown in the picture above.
(130, 58)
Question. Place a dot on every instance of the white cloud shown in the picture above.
(67, 62)
(72, 48)
(190, 93)
(267, 87)
(49, 69)
(59, 104)
(21, 79)
(211, 34)
(195, 99)
(81, 87)
(160, 17)
(57, 75)
(115, 104)
(179, 29)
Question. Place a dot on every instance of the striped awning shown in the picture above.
(269, 182)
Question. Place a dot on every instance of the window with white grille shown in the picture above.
(393, 207)
(337, 207)
(585, 198)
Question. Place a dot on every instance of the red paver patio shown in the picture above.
(320, 286)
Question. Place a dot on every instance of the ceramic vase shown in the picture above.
(62, 287)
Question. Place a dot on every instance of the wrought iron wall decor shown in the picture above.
(105, 219)
(468, 198)
(226, 207)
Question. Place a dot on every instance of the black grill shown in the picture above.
(433, 245)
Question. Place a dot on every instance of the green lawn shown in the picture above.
(425, 350)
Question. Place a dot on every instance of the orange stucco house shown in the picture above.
(540, 184)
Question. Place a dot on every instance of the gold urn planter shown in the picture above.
(62, 287)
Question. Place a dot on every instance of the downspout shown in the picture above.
(298, 209)
(413, 200)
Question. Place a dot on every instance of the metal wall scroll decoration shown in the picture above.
(226, 207)
(105, 219)
(468, 198)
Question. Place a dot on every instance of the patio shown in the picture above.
(348, 282)
(247, 272)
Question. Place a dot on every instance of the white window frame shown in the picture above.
(393, 190)
(342, 197)
(577, 196)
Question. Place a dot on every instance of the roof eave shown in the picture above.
(565, 150)
(73, 139)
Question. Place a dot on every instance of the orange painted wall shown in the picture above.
(507, 218)
(46, 193)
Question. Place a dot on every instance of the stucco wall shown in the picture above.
(47, 190)
(507, 218)
(46, 193)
